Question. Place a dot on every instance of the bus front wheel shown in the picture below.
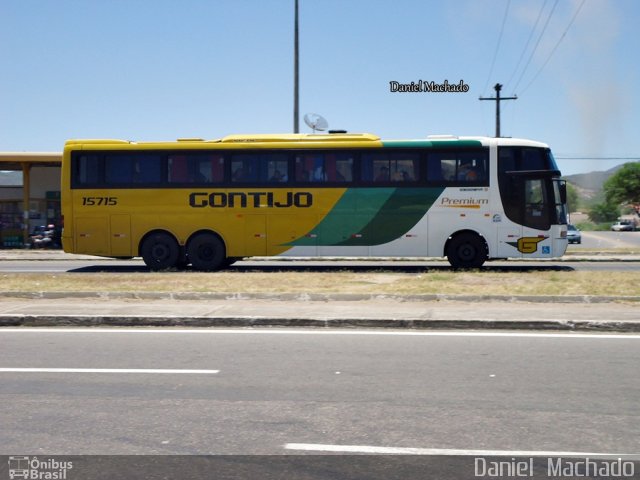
(160, 251)
(206, 252)
(467, 250)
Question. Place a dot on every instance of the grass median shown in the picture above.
(372, 282)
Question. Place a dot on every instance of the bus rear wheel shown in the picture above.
(467, 250)
(160, 251)
(206, 252)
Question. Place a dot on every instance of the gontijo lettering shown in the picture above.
(251, 199)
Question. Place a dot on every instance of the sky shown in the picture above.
(160, 70)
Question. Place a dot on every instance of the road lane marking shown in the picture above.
(312, 447)
(106, 370)
(285, 331)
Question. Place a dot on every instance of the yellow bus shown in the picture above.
(209, 203)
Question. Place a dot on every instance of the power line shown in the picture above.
(556, 46)
(495, 54)
(544, 28)
(596, 158)
(524, 50)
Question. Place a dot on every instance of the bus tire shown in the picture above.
(206, 252)
(467, 250)
(160, 251)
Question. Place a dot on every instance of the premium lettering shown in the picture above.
(464, 201)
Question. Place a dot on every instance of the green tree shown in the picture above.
(572, 198)
(623, 187)
(603, 212)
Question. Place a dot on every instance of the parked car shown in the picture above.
(623, 226)
(573, 234)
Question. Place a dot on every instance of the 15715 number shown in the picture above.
(96, 201)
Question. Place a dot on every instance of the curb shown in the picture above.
(247, 322)
(322, 297)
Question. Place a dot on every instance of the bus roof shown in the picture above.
(313, 140)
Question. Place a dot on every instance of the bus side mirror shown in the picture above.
(563, 192)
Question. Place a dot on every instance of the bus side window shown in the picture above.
(239, 169)
(217, 168)
(259, 167)
(147, 168)
(404, 167)
(278, 170)
(310, 167)
(87, 170)
(441, 167)
(374, 167)
(457, 168)
(470, 168)
(178, 169)
(339, 166)
(434, 168)
(118, 170)
(390, 167)
(195, 168)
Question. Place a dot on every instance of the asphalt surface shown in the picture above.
(239, 392)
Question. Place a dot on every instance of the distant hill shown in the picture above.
(590, 184)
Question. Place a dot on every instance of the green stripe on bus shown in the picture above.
(353, 212)
(402, 211)
(430, 143)
(371, 216)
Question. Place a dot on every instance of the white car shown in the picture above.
(623, 226)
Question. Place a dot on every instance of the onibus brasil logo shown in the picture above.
(33, 468)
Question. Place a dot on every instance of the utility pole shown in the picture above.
(498, 99)
(296, 104)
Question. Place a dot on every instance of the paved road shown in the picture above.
(301, 391)
(136, 265)
(607, 240)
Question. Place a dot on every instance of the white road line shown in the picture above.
(311, 447)
(105, 370)
(285, 331)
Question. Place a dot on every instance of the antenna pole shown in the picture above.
(498, 99)
(296, 78)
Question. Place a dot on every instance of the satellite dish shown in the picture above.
(316, 122)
